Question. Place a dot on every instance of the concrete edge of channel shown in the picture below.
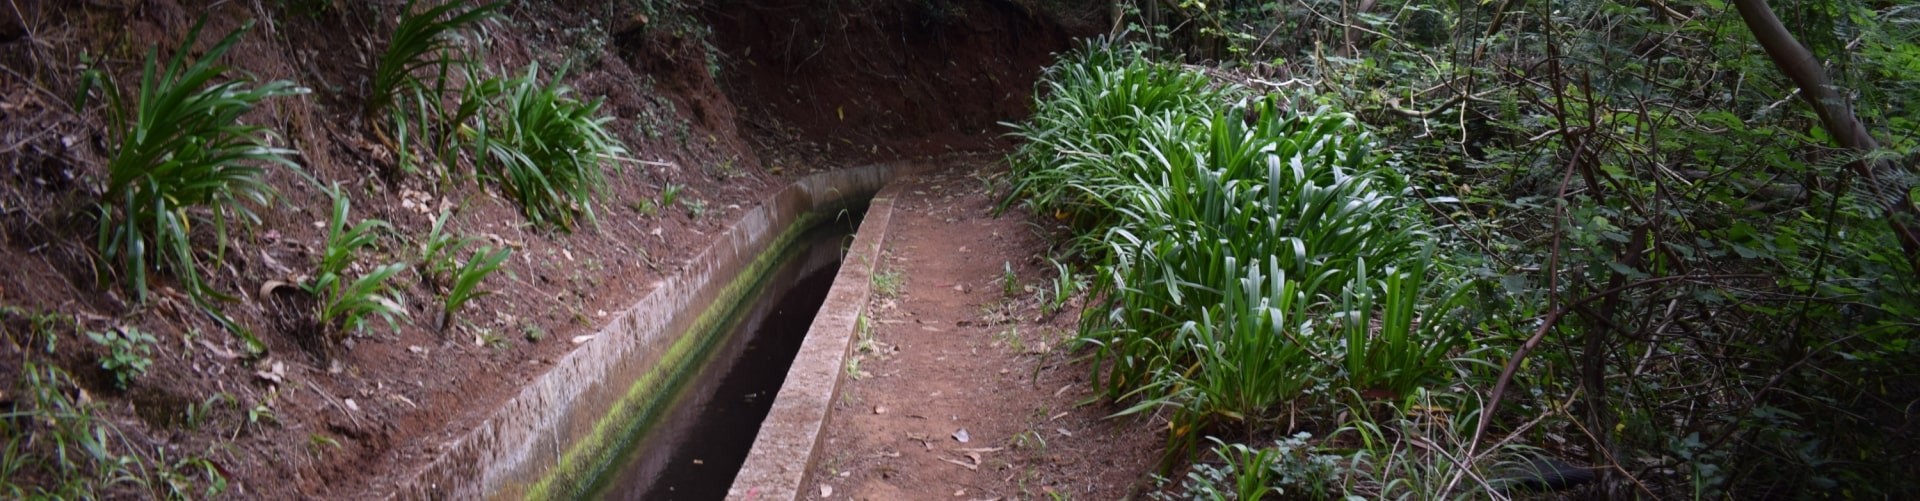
(788, 444)
(520, 441)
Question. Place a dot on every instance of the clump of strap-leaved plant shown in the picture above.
(179, 158)
(349, 294)
(1247, 260)
(458, 280)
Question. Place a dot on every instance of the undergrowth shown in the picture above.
(425, 41)
(180, 156)
(347, 303)
(1246, 259)
(56, 444)
(414, 76)
(1477, 239)
(546, 149)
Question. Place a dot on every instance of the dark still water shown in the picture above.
(694, 453)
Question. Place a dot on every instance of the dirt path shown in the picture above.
(964, 389)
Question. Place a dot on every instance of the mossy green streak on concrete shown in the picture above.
(580, 470)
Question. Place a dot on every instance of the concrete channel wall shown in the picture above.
(789, 439)
(572, 422)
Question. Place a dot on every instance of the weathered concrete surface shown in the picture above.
(790, 436)
(568, 424)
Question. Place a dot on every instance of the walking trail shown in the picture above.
(964, 387)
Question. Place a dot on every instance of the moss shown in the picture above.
(620, 430)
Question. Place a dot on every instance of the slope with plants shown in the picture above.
(287, 248)
(1253, 267)
(1427, 250)
(279, 249)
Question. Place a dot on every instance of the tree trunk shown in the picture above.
(1889, 183)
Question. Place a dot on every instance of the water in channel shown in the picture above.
(696, 450)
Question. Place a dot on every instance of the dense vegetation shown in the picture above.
(1385, 248)
(1410, 249)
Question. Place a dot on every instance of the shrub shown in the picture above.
(1243, 258)
(55, 443)
(438, 251)
(547, 149)
(1097, 104)
(423, 40)
(346, 304)
(182, 150)
(128, 353)
(466, 281)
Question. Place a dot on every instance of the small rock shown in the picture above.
(879, 409)
(961, 435)
(580, 340)
(275, 372)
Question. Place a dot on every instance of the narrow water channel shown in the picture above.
(696, 450)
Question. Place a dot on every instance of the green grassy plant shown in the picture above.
(345, 304)
(1065, 285)
(465, 124)
(1290, 469)
(670, 194)
(889, 283)
(129, 353)
(495, 340)
(416, 75)
(424, 40)
(1384, 465)
(547, 149)
(1238, 223)
(183, 156)
(76, 447)
(54, 444)
(466, 281)
(461, 279)
(43, 328)
(1232, 244)
(1009, 281)
(645, 207)
(1093, 106)
(1387, 347)
(438, 251)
